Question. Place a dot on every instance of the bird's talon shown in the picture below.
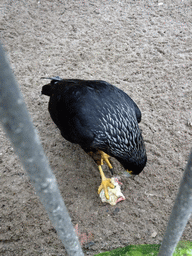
(105, 157)
(106, 182)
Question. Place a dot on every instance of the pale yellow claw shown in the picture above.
(105, 157)
(105, 183)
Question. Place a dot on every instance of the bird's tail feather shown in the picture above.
(48, 88)
(53, 79)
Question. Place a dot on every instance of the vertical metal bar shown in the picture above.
(21, 132)
(180, 215)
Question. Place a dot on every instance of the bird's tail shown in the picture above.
(48, 88)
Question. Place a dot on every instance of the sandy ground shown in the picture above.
(142, 47)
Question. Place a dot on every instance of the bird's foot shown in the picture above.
(105, 157)
(105, 183)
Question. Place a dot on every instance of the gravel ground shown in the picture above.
(142, 47)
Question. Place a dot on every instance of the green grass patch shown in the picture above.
(184, 248)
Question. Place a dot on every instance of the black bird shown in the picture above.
(102, 119)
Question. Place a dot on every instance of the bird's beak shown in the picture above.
(128, 174)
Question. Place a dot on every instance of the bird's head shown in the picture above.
(133, 167)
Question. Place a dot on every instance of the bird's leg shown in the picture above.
(105, 157)
(99, 157)
(105, 183)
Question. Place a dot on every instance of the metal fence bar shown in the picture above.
(21, 132)
(180, 215)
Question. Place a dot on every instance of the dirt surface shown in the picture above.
(142, 47)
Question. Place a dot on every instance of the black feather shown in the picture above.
(98, 115)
